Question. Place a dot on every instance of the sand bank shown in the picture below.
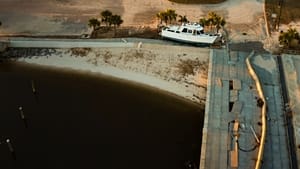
(178, 70)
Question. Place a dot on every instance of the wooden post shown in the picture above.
(23, 116)
(11, 149)
(33, 87)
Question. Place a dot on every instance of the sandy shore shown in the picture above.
(181, 71)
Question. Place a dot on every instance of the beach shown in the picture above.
(179, 71)
(118, 105)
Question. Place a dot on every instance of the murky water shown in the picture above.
(80, 120)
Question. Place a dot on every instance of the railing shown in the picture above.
(263, 110)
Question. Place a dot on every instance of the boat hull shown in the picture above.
(189, 38)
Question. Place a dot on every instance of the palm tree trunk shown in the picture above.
(115, 28)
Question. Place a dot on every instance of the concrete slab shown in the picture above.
(237, 107)
(245, 110)
(237, 85)
(219, 116)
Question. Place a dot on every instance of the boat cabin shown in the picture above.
(194, 29)
(190, 32)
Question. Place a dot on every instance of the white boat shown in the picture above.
(189, 33)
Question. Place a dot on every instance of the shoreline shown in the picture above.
(156, 66)
(97, 75)
(80, 108)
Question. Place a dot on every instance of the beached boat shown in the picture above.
(189, 33)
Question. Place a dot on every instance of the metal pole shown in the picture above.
(253, 132)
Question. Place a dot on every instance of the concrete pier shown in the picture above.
(233, 119)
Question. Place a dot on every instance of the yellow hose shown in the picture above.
(263, 117)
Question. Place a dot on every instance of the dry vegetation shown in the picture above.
(80, 51)
(106, 56)
(191, 67)
(138, 60)
(290, 11)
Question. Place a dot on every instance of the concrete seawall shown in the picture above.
(64, 43)
(206, 117)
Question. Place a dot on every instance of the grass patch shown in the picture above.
(198, 1)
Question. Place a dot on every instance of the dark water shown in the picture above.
(79, 120)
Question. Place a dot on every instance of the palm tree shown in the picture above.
(285, 38)
(163, 16)
(171, 14)
(211, 19)
(106, 16)
(116, 20)
(293, 33)
(183, 19)
(168, 15)
(214, 19)
(203, 22)
(159, 16)
(93, 22)
(219, 22)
